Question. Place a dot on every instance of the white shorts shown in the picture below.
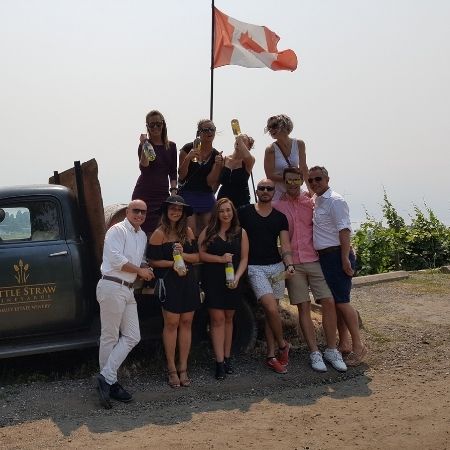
(259, 278)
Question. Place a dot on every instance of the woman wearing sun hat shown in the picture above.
(182, 291)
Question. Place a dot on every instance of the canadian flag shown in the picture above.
(242, 44)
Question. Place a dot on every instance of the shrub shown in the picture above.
(423, 244)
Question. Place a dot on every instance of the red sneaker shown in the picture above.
(275, 365)
(283, 354)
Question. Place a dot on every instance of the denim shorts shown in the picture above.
(338, 281)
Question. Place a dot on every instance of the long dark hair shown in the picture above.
(180, 227)
(155, 112)
(213, 228)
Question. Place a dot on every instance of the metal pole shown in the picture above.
(211, 95)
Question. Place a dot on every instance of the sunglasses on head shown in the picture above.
(139, 211)
(207, 130)
(294, 181)
(316, 179)
(265, 188)
(152, 125)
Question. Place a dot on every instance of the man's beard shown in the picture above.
(264, 200)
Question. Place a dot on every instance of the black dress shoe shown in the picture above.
(228, 367)
(119, 393)
(103, 389)
(220, 371)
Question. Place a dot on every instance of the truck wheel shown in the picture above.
(244, 330)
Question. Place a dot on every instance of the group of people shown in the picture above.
(301, 235)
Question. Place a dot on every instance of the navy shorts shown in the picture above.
(201, 202)
(338, 281)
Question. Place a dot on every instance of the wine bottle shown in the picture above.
(178, 262)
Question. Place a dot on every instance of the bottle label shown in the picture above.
(229, 273)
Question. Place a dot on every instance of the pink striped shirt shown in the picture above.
(299, 213)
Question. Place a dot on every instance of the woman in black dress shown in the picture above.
(236, 171)
(182, 291)
(222, 241)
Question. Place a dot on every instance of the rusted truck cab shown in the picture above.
(51, 243)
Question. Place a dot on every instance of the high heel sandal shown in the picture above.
(173, 380)
(185, 381)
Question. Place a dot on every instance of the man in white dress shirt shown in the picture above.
(123, 261)
(331, 237)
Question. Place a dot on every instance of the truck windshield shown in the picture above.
(33, 220)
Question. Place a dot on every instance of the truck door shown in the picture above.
(37, 292)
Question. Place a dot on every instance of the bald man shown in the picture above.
(123, 261)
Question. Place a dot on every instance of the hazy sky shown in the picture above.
(371, 96)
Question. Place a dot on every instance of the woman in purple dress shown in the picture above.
(152, 185)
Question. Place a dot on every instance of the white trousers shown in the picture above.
(120, 326)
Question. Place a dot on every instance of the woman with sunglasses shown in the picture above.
(182, 297)
(153, 183)
(236, 171)
(199, 172)
(284, 152)
(222, 241)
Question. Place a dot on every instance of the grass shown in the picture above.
(428, 282)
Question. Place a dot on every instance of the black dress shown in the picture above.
(182, 293)
(234, 185)
(217, 295)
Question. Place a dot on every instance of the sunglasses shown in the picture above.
(294, 181)
(139, 211)
(207, 130)
(316, 179)
(152, 125)
(273, 126)
(265, 188)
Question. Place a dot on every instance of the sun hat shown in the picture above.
(177, 200)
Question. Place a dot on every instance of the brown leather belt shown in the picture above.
(323, 251)
(117, 280)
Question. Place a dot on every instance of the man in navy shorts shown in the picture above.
(331, 236)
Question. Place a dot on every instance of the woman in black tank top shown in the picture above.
(236, 172)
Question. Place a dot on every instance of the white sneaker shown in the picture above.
(317, 362)
(334, 357)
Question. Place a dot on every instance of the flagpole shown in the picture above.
(211, 94)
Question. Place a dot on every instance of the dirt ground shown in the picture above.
(398, 400)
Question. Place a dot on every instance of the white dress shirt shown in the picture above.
(123, 244)
(331, 215)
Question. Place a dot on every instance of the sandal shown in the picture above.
(355, 359)
(343, 352)
(184, 381)
(173, 380)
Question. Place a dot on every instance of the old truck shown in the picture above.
(51, 239)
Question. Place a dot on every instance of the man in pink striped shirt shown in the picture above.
(298, 207)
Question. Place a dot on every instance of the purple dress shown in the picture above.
(152, 185)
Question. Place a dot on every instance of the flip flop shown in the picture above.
(172, 382)
(355, 359)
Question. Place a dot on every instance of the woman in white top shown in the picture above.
(284, 152)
